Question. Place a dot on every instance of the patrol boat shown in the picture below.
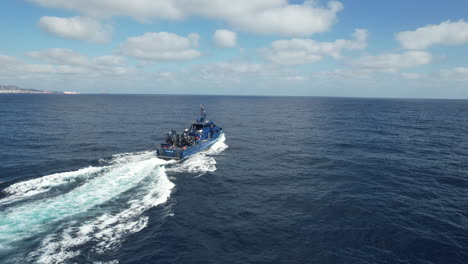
(201, 134)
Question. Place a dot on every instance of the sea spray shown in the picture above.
(201, 162)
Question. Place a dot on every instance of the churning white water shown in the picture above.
(29, 211)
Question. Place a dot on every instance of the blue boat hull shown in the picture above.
(181, 153)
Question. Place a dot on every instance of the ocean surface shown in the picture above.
(294, 180)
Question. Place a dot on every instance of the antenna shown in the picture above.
(202, 114)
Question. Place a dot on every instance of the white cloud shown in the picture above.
(51, 69)
(243, 71)
(235, 77)
(372, 68)
(165, 76)
(69, 61)
(109, 60)
(8, 60)
(59, 56)
(19, 68)
(194, 38)
(110, 71)
(161, 46)
(224, 38)
(294, 78)
(80, 28)
(456, 74)
(63, 61)
(229, 71)
(344, 74)
(302, 51)
(276, 17)
(412, 75)
(446, 33)
(141, 10)
(59, 76)
(393, 62)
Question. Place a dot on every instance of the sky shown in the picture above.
(366, 48)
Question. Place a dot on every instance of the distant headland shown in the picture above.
(13, 89)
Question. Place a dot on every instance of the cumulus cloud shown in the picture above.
(243, 71)
(224, 38)
(80, 28)
(66, 61)
(194, 38)
(54, 73)
(8, 60)
(237, 67)
(456, 74)
(19, 68)
(344, 74)
(372, 67)
(161, 46)
(277, 17)
(141, 10)
(109, 60)
(274, 17)
(393, 62)
(59, 76)
(412, 75)
(59, 56)
(228, 71)
(446, 33)
(301, 51)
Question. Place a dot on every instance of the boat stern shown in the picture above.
(169, 153)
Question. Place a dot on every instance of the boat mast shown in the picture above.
(202, 114)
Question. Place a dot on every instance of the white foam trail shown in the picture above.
(201, 162)
(20, 222)
(123, 158)
(107, 231)
(142, 172)
(25, 189)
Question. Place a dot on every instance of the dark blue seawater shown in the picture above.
(297, 180)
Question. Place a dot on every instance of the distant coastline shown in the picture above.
(13, 89)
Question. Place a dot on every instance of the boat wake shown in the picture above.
(89, 211)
